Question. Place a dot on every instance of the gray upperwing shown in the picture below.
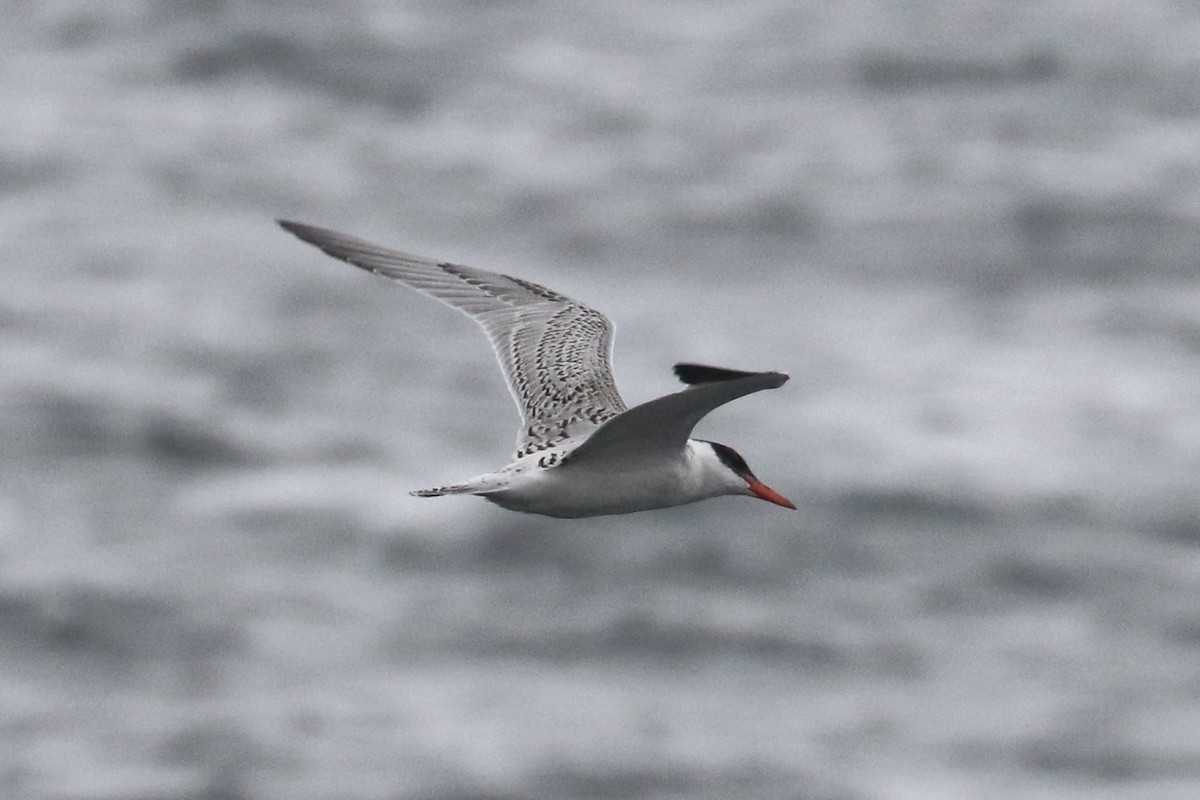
(662, 426)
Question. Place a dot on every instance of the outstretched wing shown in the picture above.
(555, 352)
(661, 427)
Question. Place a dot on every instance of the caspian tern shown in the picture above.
(580, 451)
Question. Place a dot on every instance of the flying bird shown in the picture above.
(580, 451)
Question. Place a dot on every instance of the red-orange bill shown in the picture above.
(769, 494)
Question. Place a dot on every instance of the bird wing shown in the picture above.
(661, 427)
(555, 352)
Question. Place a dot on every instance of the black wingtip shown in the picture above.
(298, 229)
(692, 374)
(339, 245)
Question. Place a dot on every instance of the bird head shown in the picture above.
(741, 479)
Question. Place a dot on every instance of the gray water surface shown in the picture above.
(968, 230)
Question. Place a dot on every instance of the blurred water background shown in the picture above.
(967, 229)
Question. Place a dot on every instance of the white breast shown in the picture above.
(591, 489)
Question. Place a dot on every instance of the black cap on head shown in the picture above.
(731, 458)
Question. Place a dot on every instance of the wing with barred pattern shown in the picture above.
(555, 352)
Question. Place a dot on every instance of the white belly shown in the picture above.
(577, 491)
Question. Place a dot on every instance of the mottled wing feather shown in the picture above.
(555, 353)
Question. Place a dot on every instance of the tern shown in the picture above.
(580, 451)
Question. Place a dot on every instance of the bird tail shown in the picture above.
(456, 488)
(481, 485)
(484, 485)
